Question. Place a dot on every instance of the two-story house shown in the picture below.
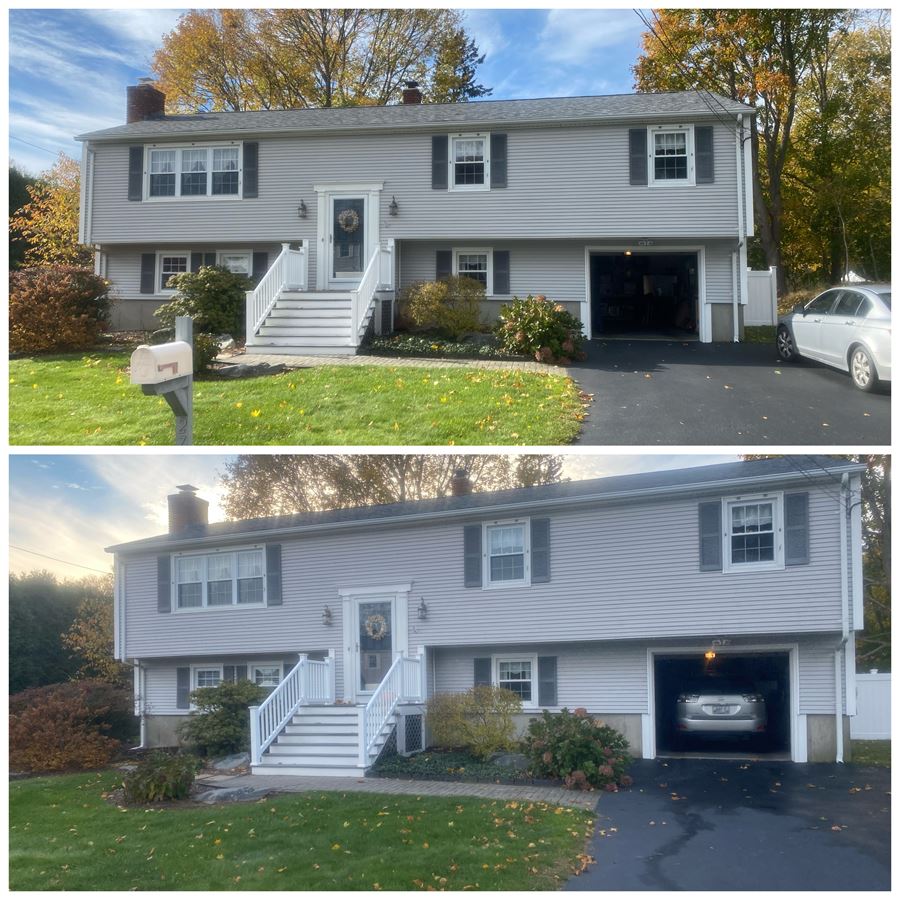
(611, 594)
(631, 210)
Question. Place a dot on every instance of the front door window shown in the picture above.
(348, 237)
(376, 641)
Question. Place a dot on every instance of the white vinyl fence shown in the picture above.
(762, 298)
(872, 721)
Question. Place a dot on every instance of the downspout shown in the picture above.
(739, 177)
(139, 702)
(845, 624)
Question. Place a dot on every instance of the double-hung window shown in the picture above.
(234, 578)
(470, 164)
(264, 674)
(240, 262)
(170, 264)
(753, 533)
(207, 676)
(506, 556)
(671, 156)
(476, 263)
(194, 171)
(517, 674)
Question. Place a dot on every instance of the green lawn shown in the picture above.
(65, 836)
(759, 334)
(87, 399)
(872, 753)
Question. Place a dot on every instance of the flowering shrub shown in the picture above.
(538, 327)
(56, 308)
(479, 720)
(212, 296)
(161, 776)
(581, 750)
(449, 306)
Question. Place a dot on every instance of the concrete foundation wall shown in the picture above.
(821, 745)
(162, 731)
(134, 315)
(722, 317)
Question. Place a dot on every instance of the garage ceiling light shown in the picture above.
(628, 253)
(710, 654)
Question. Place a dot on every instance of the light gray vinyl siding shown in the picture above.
(566, 181)
(817, 676)
(619, 572)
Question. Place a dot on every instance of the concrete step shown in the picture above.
(283, 348)
(307, 330)
(289, 768)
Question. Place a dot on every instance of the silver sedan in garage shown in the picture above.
(848, 328)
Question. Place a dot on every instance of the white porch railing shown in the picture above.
(379, 275)
(310, 681)
(289, 271)
(402, 683)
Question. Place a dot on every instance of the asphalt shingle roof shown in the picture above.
(802, 468)
(429, 115)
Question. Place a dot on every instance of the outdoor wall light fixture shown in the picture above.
(393, 208)
(422, 609)
(301, 209)
(326, 615)
(710, 654)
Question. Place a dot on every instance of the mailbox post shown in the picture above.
(168, 370)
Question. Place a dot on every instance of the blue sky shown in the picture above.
(72, 506)
(69, 67)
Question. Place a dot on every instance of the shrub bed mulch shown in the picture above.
(431, 347)
(453, 765)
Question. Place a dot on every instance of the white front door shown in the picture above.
(347, 251)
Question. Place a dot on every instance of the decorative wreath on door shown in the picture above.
(348, 219)
(376, 627)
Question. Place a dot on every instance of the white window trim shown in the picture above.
(460, 251)
(247, 253)
(209, 146)
(487, 584)
(498, 658)
(777, 500)
(688, 130)
(451, 172)
(205, 667)
(233, 551)
(167, 291)
(271, 664)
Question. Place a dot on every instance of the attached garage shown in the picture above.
(731, 703)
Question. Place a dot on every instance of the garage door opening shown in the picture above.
(730, 705)
(644, 295)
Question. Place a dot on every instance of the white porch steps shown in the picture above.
(319, 740)
(307, 323)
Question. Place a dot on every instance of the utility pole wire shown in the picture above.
(57, 559)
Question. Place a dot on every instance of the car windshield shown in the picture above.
(885, 297)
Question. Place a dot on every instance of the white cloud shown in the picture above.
(140, 29)
(578, 37)
(482, 25)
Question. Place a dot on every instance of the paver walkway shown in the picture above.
(295, 784)
(307, 362)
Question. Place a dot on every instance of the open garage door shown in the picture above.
(644, 295)
(731, 705)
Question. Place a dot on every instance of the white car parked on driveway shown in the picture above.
(845, 327)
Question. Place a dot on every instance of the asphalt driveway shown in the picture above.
(691, 824)
(662, 392)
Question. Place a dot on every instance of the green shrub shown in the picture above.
(222, 723)
(535, 326)
(787, 302)
(161, 776)
(579, 749)
(479, 720)
(56, 308)
(214, 297)
(75, 725)
(206, 349)
(450, 306)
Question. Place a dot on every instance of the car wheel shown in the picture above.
(784, 342)
(862, 369)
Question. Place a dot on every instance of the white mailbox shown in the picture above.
(162, 362)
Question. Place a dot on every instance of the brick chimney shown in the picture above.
(186, 509)
(411, 93)
(460, 483)
(144, 102)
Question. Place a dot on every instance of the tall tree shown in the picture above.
(758, 56)
(48, 222)
(455, 70)
(307, 58)
(283, 484)
(18, 197)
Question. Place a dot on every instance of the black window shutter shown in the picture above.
(273, 575)
(443, 264)
(439, 162)
(260, 265)
(482, 670)
(251, 169)
(148, 273)
(183, 687)
(196, 261)
(540, 551)
(228, 674)
(796, 529)
(546, 681)
(498, 161)
(704, 160)
(164, 583)
(472, 554)
(135, 173)
(209, 259)
(711, 537)
(501, 271)
(637, 155)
